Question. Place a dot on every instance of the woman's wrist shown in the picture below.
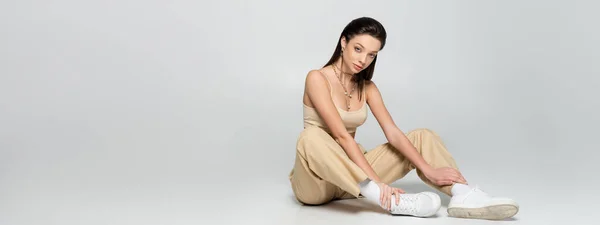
(376, 180)
(426, 169)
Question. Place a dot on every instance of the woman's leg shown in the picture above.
(466, 202)
(390, 165)
(323, 171)
(429, 144)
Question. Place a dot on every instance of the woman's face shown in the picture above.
(359, 52)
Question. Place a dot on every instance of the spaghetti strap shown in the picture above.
(328, 82)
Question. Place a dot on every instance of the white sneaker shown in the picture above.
(477, 204)
(423, 204)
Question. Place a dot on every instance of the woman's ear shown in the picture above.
(343, 43)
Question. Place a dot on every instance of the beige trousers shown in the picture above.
(323, 172)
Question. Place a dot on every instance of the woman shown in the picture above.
(331, 165)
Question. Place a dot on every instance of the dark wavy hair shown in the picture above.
(359, 26)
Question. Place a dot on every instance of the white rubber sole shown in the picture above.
(494, 212)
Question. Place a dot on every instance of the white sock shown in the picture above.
(459, 189)
(371, 191)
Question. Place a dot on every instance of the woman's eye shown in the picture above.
(357, 49)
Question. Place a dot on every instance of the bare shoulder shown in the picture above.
(369, 85)
(371, 90)
(314, 77)
(315, 85)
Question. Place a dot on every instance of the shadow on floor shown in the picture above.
(362, 205)
(356, 206)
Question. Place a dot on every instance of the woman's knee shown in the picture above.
(312, 195)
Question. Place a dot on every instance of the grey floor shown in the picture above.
(262, 200)
(540, 204)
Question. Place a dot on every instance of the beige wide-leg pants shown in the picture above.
(323, 172)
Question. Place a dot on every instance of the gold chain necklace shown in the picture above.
(348, 95)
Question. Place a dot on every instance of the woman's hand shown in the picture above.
(445, 176)
(385, 195)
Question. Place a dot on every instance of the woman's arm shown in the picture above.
(393, 134)
(439, 176)
(319, 95)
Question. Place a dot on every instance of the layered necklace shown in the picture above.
(348, 94)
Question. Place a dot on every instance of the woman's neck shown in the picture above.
(342, 68)
(340, 71)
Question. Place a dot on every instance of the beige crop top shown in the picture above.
(351, 119)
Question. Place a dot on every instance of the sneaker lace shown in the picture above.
(408, 204)
(481, 191)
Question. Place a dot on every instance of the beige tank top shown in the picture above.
(351, 119)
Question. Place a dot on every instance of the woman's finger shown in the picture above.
(465, 180)
(392, 192)
(383, 196)
(388, 193)
(448, 177)
(390, 199)
(462, 179)
(448, 182)
(381, 193)
(401, 191)
(455, 173)
(457, 179)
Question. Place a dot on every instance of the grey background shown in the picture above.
(183, 112)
